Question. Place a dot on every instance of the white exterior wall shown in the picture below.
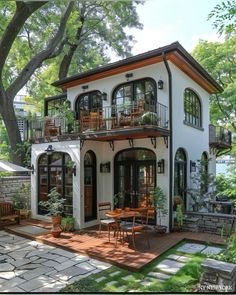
(156, 72)
(193, 140)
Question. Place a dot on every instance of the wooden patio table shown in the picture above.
(122, 214)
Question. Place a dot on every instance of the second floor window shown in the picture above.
(88, 102)
(192, 108)
(135, 91)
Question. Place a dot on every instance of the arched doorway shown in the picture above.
(180, 174)
(90, 186)
(135, 177)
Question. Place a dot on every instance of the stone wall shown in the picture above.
(209, 222)
(10, 185)
(218, 276)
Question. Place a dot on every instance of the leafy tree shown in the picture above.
(224, 16)
(73, 35)
(219, 60)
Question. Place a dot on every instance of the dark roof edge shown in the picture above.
(175, 46)
(61, 95)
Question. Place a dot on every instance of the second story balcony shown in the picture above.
(107, 123)
(219, 138)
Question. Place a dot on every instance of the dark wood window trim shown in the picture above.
(192, 109)
(90, 95)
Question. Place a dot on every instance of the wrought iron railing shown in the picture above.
(219, 135)
(105, 118)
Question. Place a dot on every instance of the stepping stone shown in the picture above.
(98, 280)
(169, 266)
(99, 264)
(31, 274)
(63, 253)
(14, 282)
(159, 275)
(111, 283)
(122, 288)
(191, 248)
(20, 262)
(51, 288)
(178, 258)
(8, 275)
(6, 267)
(114, 273)
(211, 250)
(80, 258)
(128, 277)
(64, 265)
(68, 273)
(146, 283)
(36, 283)
(86, 266)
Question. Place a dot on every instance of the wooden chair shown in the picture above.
(136, 227)
(8, 213)
(103, 208)
(50, 129)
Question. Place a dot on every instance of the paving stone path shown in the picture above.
(29, 266)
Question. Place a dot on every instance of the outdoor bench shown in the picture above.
(8, 213)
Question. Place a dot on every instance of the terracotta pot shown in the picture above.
(56, 231)
(56, 220)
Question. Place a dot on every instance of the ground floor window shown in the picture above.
(135, 177)
(180, 174)
(90, 186)
(55, 171)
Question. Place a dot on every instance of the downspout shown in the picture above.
(170, 140)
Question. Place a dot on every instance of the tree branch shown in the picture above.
(39, 58)
(22, 13)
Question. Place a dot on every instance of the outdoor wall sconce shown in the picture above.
(160, 84)
(128, 75)
(32, 168)
(49, 150)
(104, 96)
(192, 166)
(74, 170)
(161, 166)
(105, 167)
(84, 87)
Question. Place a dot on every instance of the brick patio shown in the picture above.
(89, 242)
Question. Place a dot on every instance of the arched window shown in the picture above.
(180, 174)
(88, 102)
(135, 91)
(55, 171)
(90, 186)
(192, 108)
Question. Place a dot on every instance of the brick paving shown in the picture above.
(90, 243)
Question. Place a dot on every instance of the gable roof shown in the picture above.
(173, 52)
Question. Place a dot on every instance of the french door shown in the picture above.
(135, 178)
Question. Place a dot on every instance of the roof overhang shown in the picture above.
(173, 52)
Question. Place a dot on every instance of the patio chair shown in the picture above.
(110, 223)
(135, 227)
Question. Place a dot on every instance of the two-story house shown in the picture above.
(139, 123)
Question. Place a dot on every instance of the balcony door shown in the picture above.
(135, 177)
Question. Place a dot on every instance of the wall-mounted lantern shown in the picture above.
(160, 84)
(193, 166)
(128, 75)
(104, 96)
(105, 167)
(49, 150)
(32, 168)
(84, 87)
(161, 166)
(74, 170)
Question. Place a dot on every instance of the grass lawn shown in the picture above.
(184, 280)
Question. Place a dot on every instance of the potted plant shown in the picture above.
(68, 223)
(21, 200)
(116, 199)
(159, 203)
(55, 206)
(179, 216)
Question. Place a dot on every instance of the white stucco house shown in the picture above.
(139, 123)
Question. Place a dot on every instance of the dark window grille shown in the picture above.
(192, 108)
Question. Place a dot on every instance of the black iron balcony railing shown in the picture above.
(219, 136)
(106, 118)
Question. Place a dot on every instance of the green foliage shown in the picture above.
(224, 16)
(219, 60)
(202, 189)
(54, 204)
(4, 143)
(22, 198)
(179, 215)
(68, 223)
(117, 198)
(229, 254)
(23, 148)
(159, 203)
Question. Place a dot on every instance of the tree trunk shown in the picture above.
(9, 118)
